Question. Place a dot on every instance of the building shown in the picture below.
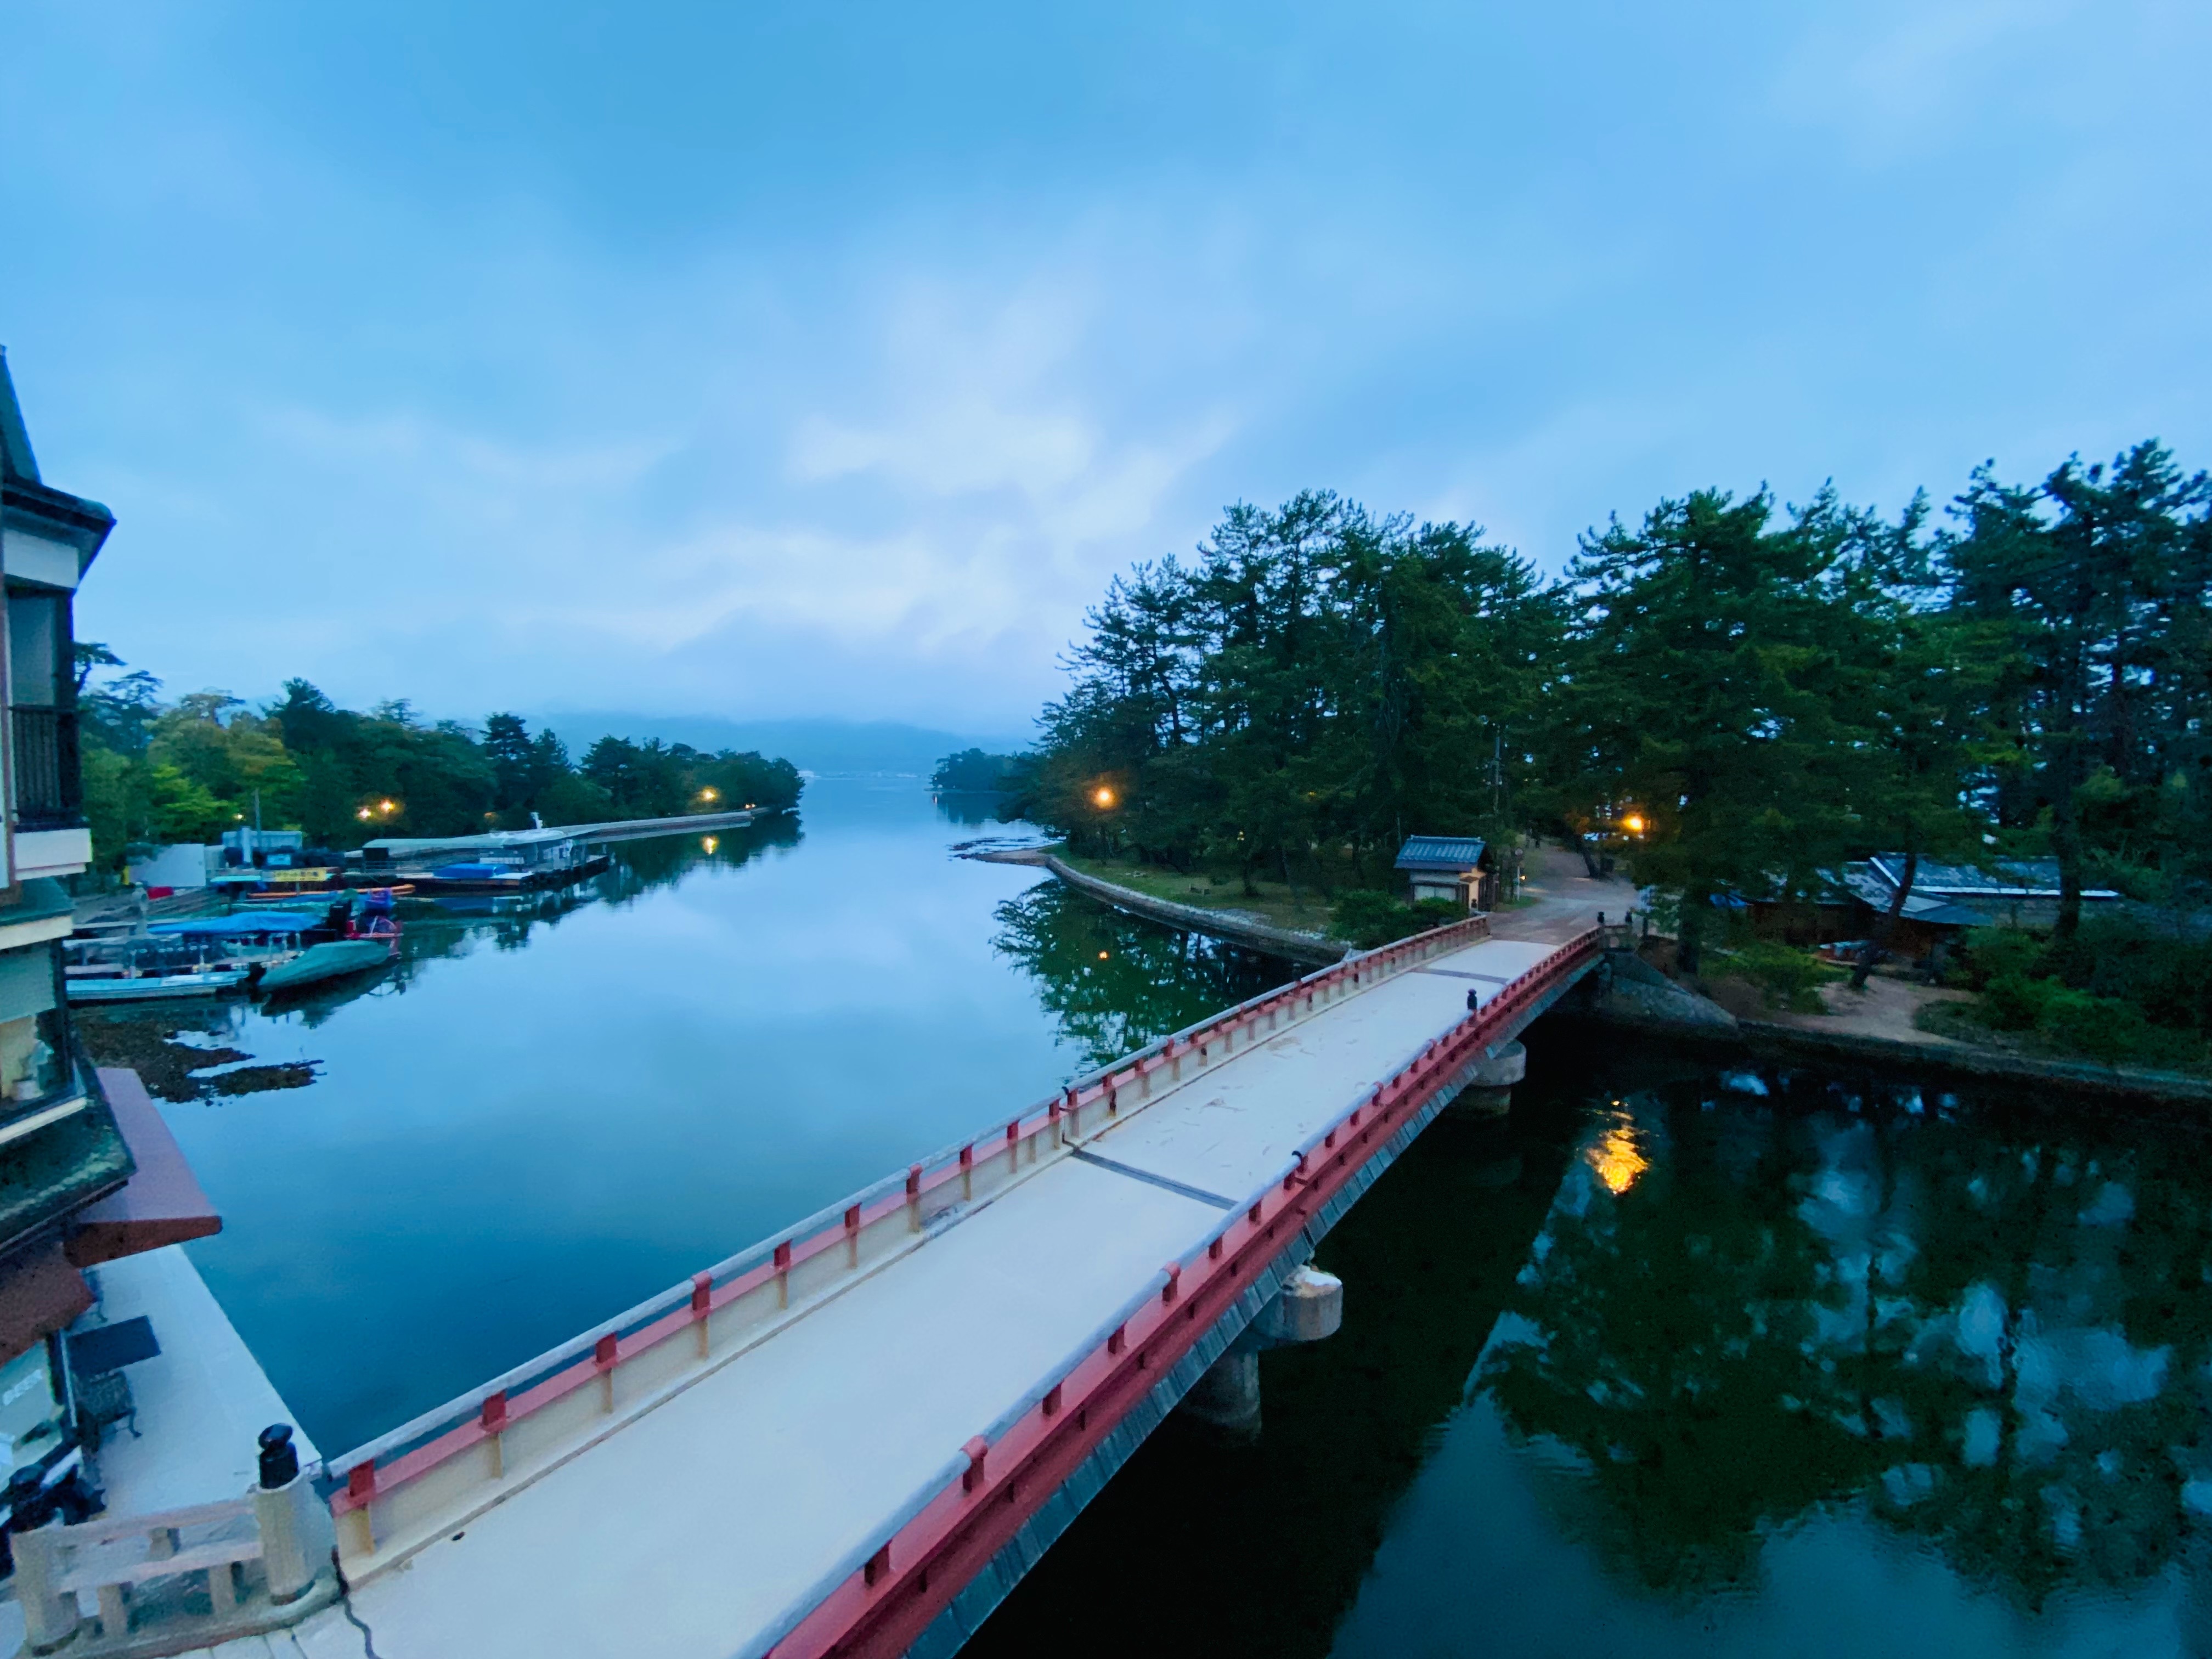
(80, 1185)
(1948, 898)
(1454, 868)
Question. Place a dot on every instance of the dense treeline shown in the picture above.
(1319, 683)
(159, 772)
(1735, 697)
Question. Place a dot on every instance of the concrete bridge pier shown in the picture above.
(1307, 1308)
(1489, 1091)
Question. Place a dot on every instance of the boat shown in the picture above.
(201, 957)
(329, 960)
(500, 861)
(372, 942)
(155, 986)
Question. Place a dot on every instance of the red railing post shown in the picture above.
(972, 1477)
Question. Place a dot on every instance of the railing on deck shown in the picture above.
(178, 1579)
(882, 1600)
(49, 783)
(423, 1478)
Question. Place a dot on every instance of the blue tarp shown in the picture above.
(281, 921)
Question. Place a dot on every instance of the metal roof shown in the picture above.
(490, 841)
(1439, 853)
(2007, 878)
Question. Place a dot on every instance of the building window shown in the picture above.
(34, 1036)
(42, 724)
(38, 648)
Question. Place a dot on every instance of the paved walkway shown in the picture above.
(696, 1529)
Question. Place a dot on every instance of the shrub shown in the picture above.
(2097, 1026)
(2014, 1002)
(1370, 919)
(1786, 978)
(1995, 953)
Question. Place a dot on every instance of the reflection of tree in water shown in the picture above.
(173, 1046)
(1993, 1332)
(973, 807)
(1116, 983)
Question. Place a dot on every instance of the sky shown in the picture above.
(767, 359)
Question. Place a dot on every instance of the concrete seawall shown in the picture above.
(1635, 996)
(1192, 918)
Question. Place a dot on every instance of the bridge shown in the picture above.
(854, 1438)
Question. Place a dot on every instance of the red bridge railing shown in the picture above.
(429, 1476)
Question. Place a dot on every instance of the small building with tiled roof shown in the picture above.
(1454, 868)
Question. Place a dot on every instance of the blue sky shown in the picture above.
(771, 360)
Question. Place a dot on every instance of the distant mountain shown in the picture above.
(812, 745)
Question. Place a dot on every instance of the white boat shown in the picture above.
(150, 987)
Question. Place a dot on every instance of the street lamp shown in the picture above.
(1102, 795)
(707, 795)
(1633, 824)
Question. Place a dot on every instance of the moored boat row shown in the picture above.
(241, 954)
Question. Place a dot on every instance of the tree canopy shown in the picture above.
(161, 772)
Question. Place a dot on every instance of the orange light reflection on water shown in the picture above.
(1615, 1158)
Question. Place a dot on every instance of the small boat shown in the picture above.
(371, 942)
(149, 988)
(329, 960)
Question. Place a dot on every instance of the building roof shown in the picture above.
(29, 503)
(2006, 878)
(490, 841)
(1453, 852)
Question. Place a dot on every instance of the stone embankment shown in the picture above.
(1631, 993)
(1192, 918)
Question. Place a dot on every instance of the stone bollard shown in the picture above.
(296, 1532)
(1489, 1092)
(51, 1614)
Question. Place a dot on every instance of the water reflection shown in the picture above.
(1114, 984)
(1786, 1363)
(1990, 1336)
(188, 1051)
(557, 1104)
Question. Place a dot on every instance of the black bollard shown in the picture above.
(1474, 1002)
(280, 1458)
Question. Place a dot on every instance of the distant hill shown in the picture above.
(812, 745)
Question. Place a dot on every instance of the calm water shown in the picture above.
(1683, 1362)
(546, 1114)
(1674, 1361)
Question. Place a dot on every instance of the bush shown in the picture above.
(1370, 919)
(1995, 953)
(2097, 1026)
(1786, 978)
(2014, 1002)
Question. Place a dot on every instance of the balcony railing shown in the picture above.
(49, 783)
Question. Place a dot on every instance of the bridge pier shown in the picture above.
(1307, 1308)
(1489, 1091)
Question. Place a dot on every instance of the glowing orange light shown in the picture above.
(708, 845)
(1615, 1158)
(1633, 824)
(1102, 795)
(706, 794)
(388, 807)
(1101, 956)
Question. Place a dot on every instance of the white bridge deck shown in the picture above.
(706, 1525)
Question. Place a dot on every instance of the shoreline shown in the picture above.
(1678, 1015)
(1230, 929)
